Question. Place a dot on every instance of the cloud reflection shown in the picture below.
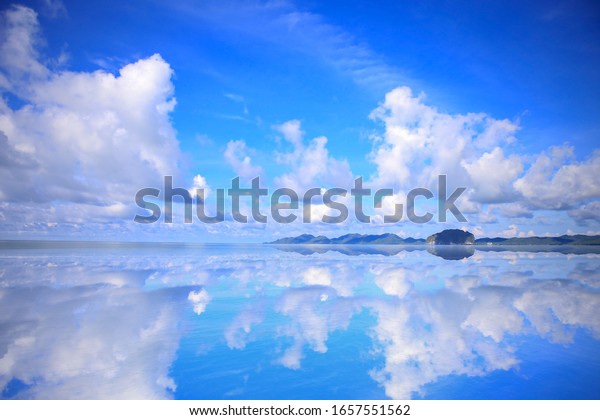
(110, 325)
(89, 341)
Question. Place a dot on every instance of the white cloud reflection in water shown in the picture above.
(110, 322)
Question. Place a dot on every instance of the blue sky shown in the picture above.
(100, 100)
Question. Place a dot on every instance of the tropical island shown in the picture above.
(451, 237)
(445, 237)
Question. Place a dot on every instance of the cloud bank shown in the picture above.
(77, 145)
(81, 143)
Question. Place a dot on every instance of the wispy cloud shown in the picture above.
(283, 24)
(234, 97)
(54, 9)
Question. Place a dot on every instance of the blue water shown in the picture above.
(110, 320)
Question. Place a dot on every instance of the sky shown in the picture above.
(101, 100)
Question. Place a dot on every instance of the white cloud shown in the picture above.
(19, 57)
(291, 132)
(83, 341)
(493, 315)
(511, 231)
(420, 142)
(199, 183)
(239, 329)
(311, 320)
(310, 164)
(320, 276)
(54, 8)
(586, 213)
(423, 340)
(237, 155)
(234, 97)
(511, 210)
(492, 176)
(394, 282)
(555, 181)
(552, 306)
(199, 299)
(92, 139)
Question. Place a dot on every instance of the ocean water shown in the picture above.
(188, 321)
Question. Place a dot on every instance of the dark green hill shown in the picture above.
(451, 237)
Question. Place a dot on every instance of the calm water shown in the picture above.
(260, 322)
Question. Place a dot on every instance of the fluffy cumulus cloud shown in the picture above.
(491, 176)
(83, 340)
(310, 162)
(237, 333)
(237, 155)
(91, 139)
(556, 181)
(200, 299)
(423, 341)
(200, 186)
(312, 317)
(419, 142)
(393, 281)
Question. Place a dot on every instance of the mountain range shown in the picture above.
(445, 237)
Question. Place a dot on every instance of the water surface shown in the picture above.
(110, 320)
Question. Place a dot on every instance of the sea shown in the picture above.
(101, 320)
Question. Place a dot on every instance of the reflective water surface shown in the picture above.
(257, 322)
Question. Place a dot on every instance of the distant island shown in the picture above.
(445, 237)
(451, 237)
